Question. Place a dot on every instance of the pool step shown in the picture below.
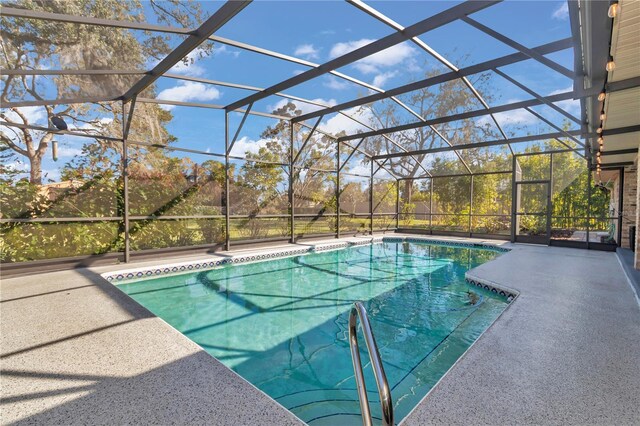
(329, 406)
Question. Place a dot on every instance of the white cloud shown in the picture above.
(190, 68)
(97, 126)
(570, 105)
(562, 12)
(365, 170)
(380, 79)
(306, 51)
(514, 117)
(360, 169)
(35, 114)
(565, 90)
(340, 122)
(66, 152)
(187, 91)
(224, 50)
(392, 56)
(518, 116)
(245, 145)
(335, 83)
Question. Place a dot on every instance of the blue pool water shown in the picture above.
(283, 324)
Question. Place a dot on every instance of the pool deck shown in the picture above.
(76, 350)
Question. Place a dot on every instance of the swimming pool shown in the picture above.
(283, 324)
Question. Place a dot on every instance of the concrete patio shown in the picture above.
(76, 350)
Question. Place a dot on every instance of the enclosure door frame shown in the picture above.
(516, 183)
(533, 239)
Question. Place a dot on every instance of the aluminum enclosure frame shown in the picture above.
(225, 14)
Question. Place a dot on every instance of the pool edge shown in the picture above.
(480, 283)
(220, 260)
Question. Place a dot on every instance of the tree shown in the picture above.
(39, 44)
(93, 185)
(313, 189)
(437, 101)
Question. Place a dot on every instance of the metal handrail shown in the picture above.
(358, 310)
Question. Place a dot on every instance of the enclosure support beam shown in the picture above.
(397, 204)
(578, 63)
(558, 128)
(485, 144)
(43, 102)
(127, 125)
(589, 185)
(338, 168)
(354, 150)
(209, 106)
(442, 78)
(462, 116)
(616, 86)
(503, 172)
(470, 204)
(292, 228)
(220, 17)
(371, 199)
(307, 139)
(380, 166)
(431, 23)
(430, 206)
(537, 96)
(616, 165)
(511, 43)
(549, 198)
(126, 122)
(60, 132)
(70, 72)
(227, 227)
(514, 194)
(620, 205)
(86, 20)
(235, 136)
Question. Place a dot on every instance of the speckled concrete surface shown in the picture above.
(567, 351)
(75, 350)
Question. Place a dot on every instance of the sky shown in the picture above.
(318, 31)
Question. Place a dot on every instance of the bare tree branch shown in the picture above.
(12, 145)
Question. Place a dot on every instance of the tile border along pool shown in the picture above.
(128, 275)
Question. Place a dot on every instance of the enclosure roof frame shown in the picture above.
(461, 12)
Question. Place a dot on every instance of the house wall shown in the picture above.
(629, 202)
(637, 254)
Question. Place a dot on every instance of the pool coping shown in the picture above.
(215, 261)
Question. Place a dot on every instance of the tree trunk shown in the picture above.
(35, 159)
(408, 191)
(35, 172)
